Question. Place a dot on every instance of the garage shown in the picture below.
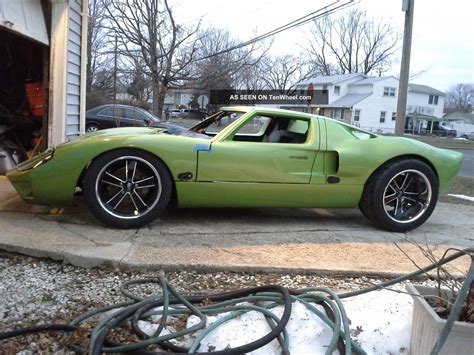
(43, 51)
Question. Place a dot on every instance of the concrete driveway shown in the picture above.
(263, 240)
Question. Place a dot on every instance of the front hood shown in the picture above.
(124, 131)
(104, 135)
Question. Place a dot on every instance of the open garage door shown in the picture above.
(24, 17)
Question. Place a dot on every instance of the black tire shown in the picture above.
(127, 188)
(401, 195)
(92, 127)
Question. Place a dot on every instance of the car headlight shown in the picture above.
(36, 161)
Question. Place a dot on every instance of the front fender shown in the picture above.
(54, 182)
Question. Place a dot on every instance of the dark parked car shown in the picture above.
(192, 113)
(441, 130)
(111, 116)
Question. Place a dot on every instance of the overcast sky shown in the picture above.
(443, 31)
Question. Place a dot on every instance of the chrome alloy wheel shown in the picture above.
(407, 196)
(91, 129)
(128, 187)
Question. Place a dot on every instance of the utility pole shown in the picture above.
(408, 6)
(115, 70)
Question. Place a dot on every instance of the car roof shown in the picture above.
(114, 105)
(267, 110)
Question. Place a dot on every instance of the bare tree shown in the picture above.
(135, 78)
(139, 87)
(251, 78)
(96, 41)
(352, 43)
(222, 69)
(460, 96)
(282, 73)
(149, 29)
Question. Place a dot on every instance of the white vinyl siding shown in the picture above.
(73, 68)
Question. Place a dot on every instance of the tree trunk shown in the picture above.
(161, 101)
(155, 95)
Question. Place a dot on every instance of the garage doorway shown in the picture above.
(23, 98)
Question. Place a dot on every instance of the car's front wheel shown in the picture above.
(400, 196)
(127, 188)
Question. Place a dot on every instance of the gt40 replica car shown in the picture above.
(243, 157)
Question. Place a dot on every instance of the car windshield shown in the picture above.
(212, 125)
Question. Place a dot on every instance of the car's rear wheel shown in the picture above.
(92, 127)
(127, 188)
(400, 196)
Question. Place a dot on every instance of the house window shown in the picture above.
(389, 91)
(337, 90)
(382, 116)
(356, 115)
(394, 116)
(433, 100)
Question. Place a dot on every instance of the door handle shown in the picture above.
(298, 157)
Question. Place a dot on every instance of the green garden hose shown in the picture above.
(260, 299)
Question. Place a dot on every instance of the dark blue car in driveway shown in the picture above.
(111, 116)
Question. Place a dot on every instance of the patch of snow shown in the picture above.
(306, 331)
(462, 197)
(382, 320)
(380, 324)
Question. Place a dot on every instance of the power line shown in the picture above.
(328, 9)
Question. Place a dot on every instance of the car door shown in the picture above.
(257, 152)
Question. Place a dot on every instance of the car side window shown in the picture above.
(222, 123)
(288, 130)
(119, 112)
(106, 112)
(129, 113)
(274, 130)
(256, 126)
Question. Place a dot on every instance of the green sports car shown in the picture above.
(243, 157)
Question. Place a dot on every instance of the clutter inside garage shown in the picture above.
(23, 111)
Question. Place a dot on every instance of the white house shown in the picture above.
(371, 102)
(425, 107)
(174, 98)
(43, 56)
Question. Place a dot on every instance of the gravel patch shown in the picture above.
(36, 291)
